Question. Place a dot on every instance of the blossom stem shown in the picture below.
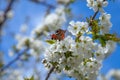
(49, 73)
(95, 14)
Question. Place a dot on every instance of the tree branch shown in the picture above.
(5, 13)
(49, 73)
(13, 61)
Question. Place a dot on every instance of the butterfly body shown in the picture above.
(59, 35)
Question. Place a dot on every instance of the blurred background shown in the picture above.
(21, 17)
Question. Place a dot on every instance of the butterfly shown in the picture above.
(59, 35)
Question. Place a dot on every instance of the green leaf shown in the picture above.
(50, 41)
(95, 28)
(32, 78)
(77, 40)
(103, 42)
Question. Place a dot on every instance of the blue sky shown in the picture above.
(25, 8)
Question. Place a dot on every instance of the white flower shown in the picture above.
(97, 4)
(60, 10)
(90, 3)
(92, 66)
(77, 49)
(51, 52)
(103, 52)
(76, 27)
(22, 43)
(55, 20)
(111, 46)
(88, 47)
(84, 27)
(40, 30)
(100, 52)
(55, 51)
(66, 44)
(36, 44)
(105, 22)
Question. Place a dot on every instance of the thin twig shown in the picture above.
(8, 8)
(43, 3)
(95, 14)
(13, 61)
(49, 73)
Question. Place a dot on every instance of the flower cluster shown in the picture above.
(81, 56)
(80, 59)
